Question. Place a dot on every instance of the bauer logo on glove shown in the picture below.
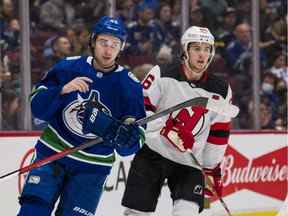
(99, 123)
(93, 115)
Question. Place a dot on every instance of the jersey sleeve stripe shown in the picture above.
(148, 105)
(219, 133)
(221, 126)
(218, 140)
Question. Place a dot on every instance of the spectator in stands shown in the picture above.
(238, 57)
(194, 3)
(176, 12)
(11, 62)
(168, 32)
(239, 49)
(125, 10)
(280, 125)
(90, 10)
(10, 110)
(166, 60)
(4, 74)
(164, 56)
(140, 42)
(282, 94)
(224, 33)
(265, 115)
(279, 29)
(6, 14)
(78, 35)
(56, 15)
(243, 8)
(275, 35)
(141, 32)
(7, 10)
(12, 35)
(153, 3)
(280, 66)
(268, 87)
(196, 16)
(199, 16)
(61, 48)
(266, 121)
(140, 71)
(214, 9)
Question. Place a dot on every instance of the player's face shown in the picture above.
(107, 48)
(198, 56)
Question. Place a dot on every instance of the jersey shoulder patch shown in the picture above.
(133, 77)
(72, 58)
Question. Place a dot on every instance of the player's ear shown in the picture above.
(92, 44)
(183, 56)
(92, 41)
(54, 44)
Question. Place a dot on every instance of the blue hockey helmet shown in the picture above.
(111, 26)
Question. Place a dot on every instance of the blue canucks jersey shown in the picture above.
(118, 92)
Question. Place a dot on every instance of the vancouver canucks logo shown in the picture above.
(74, 113)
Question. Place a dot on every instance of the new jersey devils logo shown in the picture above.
(192, 118)
(73, 113)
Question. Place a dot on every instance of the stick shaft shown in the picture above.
(211, 184)
(199, 101)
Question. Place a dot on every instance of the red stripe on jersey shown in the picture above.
(218, 140)
(220, 126)
(148, 105)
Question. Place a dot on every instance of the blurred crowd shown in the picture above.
(60, 28)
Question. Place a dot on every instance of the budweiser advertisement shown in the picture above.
(255, 176)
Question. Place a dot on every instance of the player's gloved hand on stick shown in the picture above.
(215, 177)
(128, 134)
(177, 134)
(98, 122)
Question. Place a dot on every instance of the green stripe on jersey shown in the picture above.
(52, 139)
(142, 136)
(36, 91)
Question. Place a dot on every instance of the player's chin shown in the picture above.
(200, 68)
(107, 63)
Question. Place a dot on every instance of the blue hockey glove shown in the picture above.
(99, 123)
(128, 134)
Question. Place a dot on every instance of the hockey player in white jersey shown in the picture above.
(171, 139)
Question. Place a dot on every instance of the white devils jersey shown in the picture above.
(210, 129)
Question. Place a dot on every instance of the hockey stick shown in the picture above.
(209, 182)
(199, 101)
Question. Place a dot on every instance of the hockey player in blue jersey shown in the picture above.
(82, 98)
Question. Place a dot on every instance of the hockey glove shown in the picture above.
(176, 133)
(215, 177)
(128, 133)
(99, 123)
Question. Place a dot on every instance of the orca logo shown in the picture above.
(74, 113)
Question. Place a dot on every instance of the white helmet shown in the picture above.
(200, 35)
